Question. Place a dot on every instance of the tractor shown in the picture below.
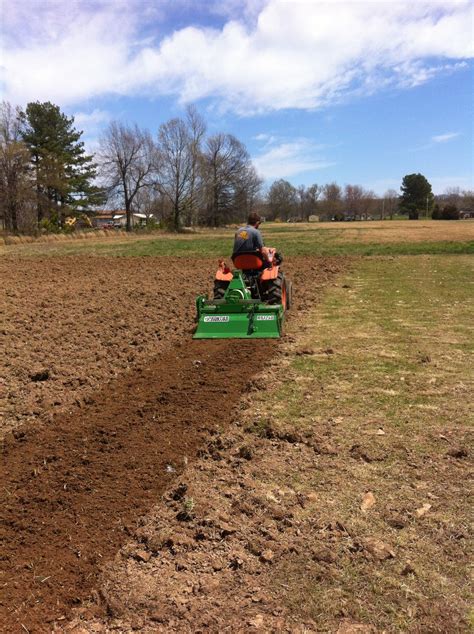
(249, 301)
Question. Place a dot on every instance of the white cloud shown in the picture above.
(291, 54)
(91, 120)
(288, 159)
(439, 138)
(91, 124)
(265, 139)
(263, 136)
(442, 138)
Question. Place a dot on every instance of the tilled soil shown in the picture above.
(75, 488)
(104, 411)
(71, 324)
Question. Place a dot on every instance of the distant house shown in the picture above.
(464, 214)
(104, 219)
(120, 219)
(117, 218)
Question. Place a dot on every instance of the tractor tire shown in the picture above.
(289, 295)
(220, 288)
(276, 291)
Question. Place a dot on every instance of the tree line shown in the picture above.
(180, 177)
(353, 202)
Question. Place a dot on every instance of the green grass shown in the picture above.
(291, 242)
(402, 336)
(405, 305)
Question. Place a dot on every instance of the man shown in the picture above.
(249, 238)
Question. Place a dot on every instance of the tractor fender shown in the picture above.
(270, 274)
(224, 277)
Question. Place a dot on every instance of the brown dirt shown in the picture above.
(71, 324)
(75, 488)
(103, 413)
(291, 526)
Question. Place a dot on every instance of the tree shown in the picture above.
(389, 203)
(146, 202)
(353, 195)
(308, 200)
(282, 200)
(64, 173)
(225, 165)
(175, 166)
(196, 130)
(331, 204)
(127, 162)
(467, 200)
(416, 197)
(17, 195)
(246, 192)
(358, 201)
(450, 212)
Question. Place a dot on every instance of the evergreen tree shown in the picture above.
(416, 197)
(63, 172)
(450, 212)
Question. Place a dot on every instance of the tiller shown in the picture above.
(249, 302)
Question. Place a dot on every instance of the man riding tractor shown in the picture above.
(250, 300)
(259, 264)
(248, 239)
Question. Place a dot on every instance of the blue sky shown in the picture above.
(353, 92)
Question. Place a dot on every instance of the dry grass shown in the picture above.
(79, 236)
(351, 238)
(379, 231)
(384, 380)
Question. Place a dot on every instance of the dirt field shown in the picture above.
(107, 399)
(73, 324)
(337, 498)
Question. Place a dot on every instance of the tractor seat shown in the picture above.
(248, 260)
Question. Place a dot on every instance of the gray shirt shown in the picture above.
(247, 238)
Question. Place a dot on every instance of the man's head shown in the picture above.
(254, 220)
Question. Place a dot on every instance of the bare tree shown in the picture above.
(146, 202)
(467, 201)
(331, 204)
(246, 193)
(389, 203)
(224, 163)
(197, 130)
(17, 194)
(127, 160)
(175, 168)
(368, 204)
(358, 201)
(308, 200)
(282, 199)
(452, 196)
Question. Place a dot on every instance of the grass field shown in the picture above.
(327, 239)
(393, 397)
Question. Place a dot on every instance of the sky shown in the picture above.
(352, 92)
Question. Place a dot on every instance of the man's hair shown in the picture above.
(253, 219)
